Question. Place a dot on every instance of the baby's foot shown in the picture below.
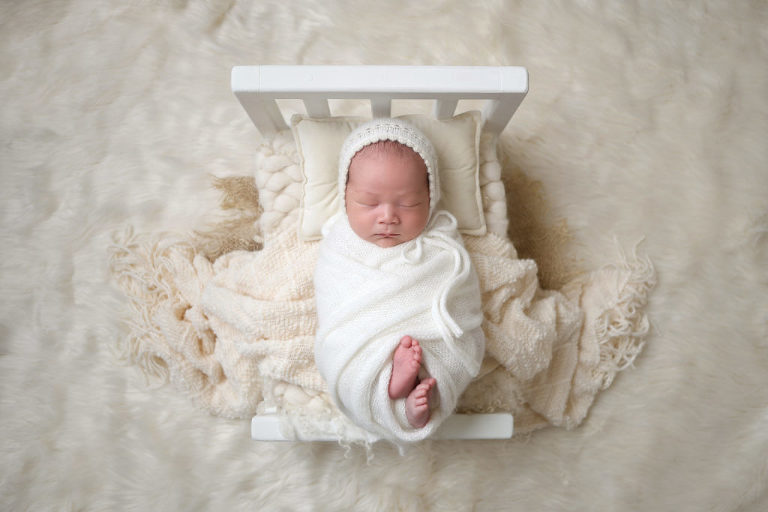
(406, 363)
(417, 403)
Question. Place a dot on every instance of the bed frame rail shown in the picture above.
(270, 427)
(259, 87)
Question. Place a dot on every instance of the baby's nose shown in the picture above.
(388, 213)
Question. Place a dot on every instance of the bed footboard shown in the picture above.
(269, 427)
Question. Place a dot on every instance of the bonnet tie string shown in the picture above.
(438, 235)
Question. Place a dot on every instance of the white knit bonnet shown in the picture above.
(396, 130)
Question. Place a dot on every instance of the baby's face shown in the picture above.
(387, 197)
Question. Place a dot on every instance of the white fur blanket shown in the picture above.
(368, 298)
(644, 119)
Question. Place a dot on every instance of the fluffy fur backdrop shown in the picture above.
(644, 120)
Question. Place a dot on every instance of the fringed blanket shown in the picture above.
(237, 333)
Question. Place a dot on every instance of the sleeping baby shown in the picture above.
(399, 311)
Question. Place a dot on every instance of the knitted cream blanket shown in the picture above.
(237, 334)
(369, 297)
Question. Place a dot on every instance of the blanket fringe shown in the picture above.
(136, 262)
(623, 326)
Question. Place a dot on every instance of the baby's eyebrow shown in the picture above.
(366, 193)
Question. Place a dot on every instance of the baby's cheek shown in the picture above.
(422, 217)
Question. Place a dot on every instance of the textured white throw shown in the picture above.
(369, 297)
(238, 334)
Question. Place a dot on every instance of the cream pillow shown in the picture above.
(456, 141)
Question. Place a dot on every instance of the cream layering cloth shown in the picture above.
(236, 334)
(368, 297)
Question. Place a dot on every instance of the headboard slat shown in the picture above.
(445, 108)
(381, 106)
(317, 107)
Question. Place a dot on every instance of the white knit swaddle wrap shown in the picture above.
(369, 297)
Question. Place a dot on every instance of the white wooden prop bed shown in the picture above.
(501, 89)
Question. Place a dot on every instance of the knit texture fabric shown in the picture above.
(398, 130)
(369, 297)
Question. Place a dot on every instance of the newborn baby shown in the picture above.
(398, 301)
(387, 200)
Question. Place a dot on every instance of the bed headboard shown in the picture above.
(258, 87)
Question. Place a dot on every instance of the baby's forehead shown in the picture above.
(387, 148)
(389, 152)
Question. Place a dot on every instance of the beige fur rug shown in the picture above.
(644, 120)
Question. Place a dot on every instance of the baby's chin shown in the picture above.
(386, 242)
